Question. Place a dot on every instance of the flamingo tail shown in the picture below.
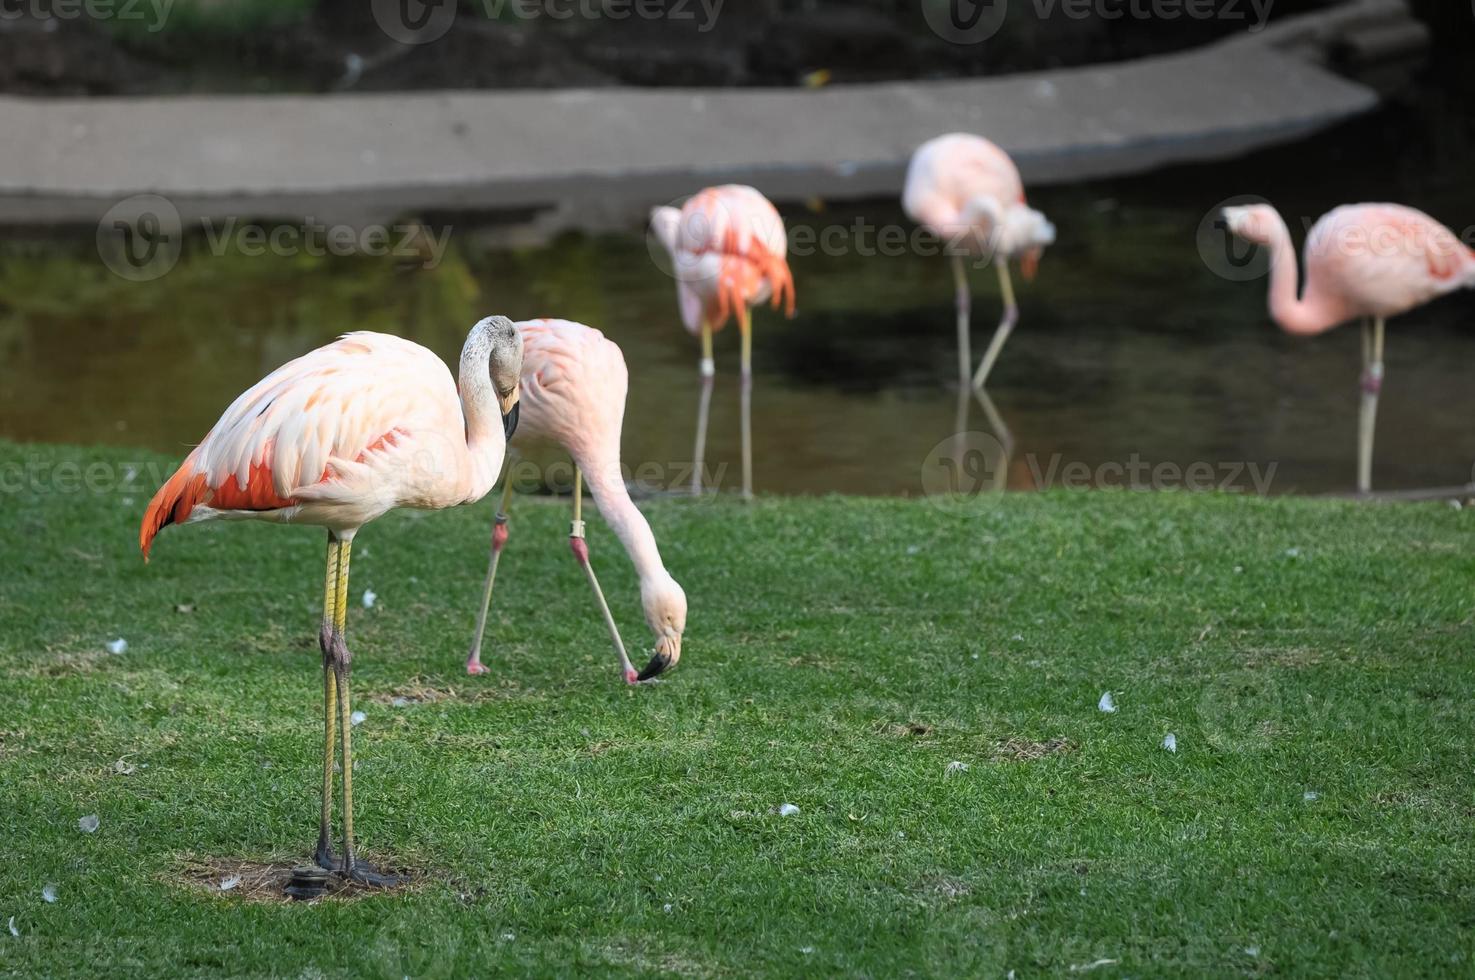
(172, 504)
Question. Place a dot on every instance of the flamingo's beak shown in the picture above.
(1029, 264)
(511, 405)
(667, 652)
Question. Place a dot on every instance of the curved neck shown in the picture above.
(623, 517)
(1294, 314)
(486, 440)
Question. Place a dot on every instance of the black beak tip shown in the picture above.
(657, 665)
(509, 421)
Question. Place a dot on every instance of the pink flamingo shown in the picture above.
(573, 393)
(1367, 261)
(968, 193)
(335, 439)
(728, 248)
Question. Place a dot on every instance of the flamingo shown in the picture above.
(573, 393)
(335, 439)
(967, 192)
(728, 248)
(1363, 261)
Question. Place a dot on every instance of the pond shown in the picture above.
(1130, 349)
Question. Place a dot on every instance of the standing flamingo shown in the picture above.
(968, 193)
(335, 439)
(728, 248)
(1367, 261)
(573, 393)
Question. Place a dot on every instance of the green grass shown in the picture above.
(840, 654)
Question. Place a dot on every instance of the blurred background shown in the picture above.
(1133, 342)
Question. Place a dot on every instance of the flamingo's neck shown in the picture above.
(486, 441)
(623, 517)
(1295, 314)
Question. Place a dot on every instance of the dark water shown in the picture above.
(1130, 348)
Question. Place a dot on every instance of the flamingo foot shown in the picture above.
(323, 856)
(366, 874)
(475, 667)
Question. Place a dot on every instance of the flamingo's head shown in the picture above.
(504, 364)
(665, 611)
(1025, 232)
(1256, 223)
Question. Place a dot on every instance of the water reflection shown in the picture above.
(1129, 346)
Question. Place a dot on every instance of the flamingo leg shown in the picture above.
(580, 548)
(745, 327)
(1372, 384)
(1006, 324)
(963, 300)
(1001, 431)
(499, 541)
(708, 370)
(351, 866)
(324, 853)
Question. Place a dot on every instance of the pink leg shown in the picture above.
(580, 547)
(499, 541)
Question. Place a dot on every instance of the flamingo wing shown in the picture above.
(732, 251)
(1386, 259)
(949, 173)
(574, 383)
(304, 429)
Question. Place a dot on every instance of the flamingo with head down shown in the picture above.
(1363, 261)
(968, 193)
(335, 439)
(574, 382)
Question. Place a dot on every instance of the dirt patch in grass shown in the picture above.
(910, 729)
(266, 881)
(944, 887)
(1028, 750)
(1256, 657)
(414, 691)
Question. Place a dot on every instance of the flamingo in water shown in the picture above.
(573, 393)
(335, 439)
(729, 253)
(967, 192)
(1363, 261)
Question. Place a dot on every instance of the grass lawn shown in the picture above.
(1312, 658)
